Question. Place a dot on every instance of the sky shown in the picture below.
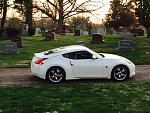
(96, 17)
(100, 14)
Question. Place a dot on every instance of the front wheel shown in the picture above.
(120, 73)
(55, 75)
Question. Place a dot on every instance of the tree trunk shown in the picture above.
(148, 32)
(29, 10)
(61, 17)
(4, 14)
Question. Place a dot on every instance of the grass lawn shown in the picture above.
(141, 55)
(126, 97)
(98, 97)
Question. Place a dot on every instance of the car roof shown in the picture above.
(71, 48)
(74, 48)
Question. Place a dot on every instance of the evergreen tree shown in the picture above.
(120, 14)
(143, 14)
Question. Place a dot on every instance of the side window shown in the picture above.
(69, 55)
(78, 55)
(83, 55)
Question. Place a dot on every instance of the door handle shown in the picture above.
(71, 63)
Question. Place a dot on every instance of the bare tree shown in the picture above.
(59, 10)
(4, 6)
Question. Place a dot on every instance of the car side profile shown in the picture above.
(80, 62)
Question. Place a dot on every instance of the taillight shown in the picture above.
(40, 62)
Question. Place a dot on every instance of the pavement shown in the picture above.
(23, 76)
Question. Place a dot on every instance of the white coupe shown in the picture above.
(76, 62)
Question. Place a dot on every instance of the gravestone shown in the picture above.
(76, 32)
(9, 48)
(18, 40)
(126, 45)
(126, 35)
(100, 31)
(37, 30)
(97, 38)
(85, 33)
(49, 36)
(93, 32)
(137, 32)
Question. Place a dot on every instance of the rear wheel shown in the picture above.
(55, 75)
(120, 73)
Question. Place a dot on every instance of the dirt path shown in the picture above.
(23, 76)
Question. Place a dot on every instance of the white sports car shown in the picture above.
(76, 62)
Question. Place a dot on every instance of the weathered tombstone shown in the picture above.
(137, 32)
(24, 32)
(85, 33)
(126, 45)
(9, 48)
(101, 31)
(76, 32)
(37, 30)
(97, 38)
(93, 32)
(49, 36)
(13, 35)
(126, 35)
(81, 31)
(18, 40)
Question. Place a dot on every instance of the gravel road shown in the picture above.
(23, 76)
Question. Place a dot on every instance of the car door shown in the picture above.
(83, 66)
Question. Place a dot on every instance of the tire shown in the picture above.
(120, 73)
(55, 75)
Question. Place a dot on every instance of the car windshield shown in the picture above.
(53, 51)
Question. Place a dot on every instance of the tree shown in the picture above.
(3, 5)
(59, 10)
(79, 22)
(143, 14)
(14, 22)
(25, 7)
(120, 14)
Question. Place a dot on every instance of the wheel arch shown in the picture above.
(120, 65)
(46, 75)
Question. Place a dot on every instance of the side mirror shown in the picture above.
(94, 57)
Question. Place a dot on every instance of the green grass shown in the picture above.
(141, 55)
(101, 97)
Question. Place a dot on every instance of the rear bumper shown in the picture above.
(37, 70)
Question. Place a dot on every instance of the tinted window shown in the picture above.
(69, 55)
(83, 55)
(78, 55)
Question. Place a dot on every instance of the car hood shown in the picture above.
(113, 57)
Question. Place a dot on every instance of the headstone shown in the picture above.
(97, 38)
(126, 45)
(9, 48)
(137, 32)
(81, 31)
(26, 27)
(18, 40)
(49, 36)
(24, 32)
(37, 30)
(77, 33)
(126, 36)
(85, 33)
(93, 32)
(101, 31)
